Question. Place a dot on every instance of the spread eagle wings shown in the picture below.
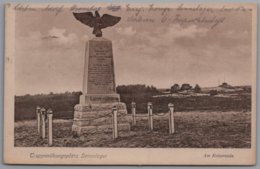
(109, 20)
(89, 19)
(86, 18)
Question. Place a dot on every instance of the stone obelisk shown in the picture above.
(94, 112)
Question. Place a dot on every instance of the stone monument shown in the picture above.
(94, 112)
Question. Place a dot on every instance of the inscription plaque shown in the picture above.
(100, 68)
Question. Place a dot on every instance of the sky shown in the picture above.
(49, 49)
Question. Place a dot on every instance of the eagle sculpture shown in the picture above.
(96, 21)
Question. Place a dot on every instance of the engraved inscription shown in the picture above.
(100, 68)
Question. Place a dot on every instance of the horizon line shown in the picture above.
(63, 92)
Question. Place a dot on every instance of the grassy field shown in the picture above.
(240, 102)
(207, 129)
(63, 104)
(201, 120)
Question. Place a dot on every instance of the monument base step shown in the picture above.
(99, 98)
(100, 107)
(100, 121)
(79, 130)
(97, 118)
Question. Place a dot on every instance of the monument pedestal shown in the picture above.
(97, 118)
(94, 112)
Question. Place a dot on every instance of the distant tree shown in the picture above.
(78, 93)
(175, 88)
(148, 89)
(121, 89)
(226, 85)
(153, 90)
(130, 89)
(197, 89)
(247, 88)
(67, 93)
(185, 86)
(213, 92)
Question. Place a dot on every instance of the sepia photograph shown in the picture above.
(85, 83)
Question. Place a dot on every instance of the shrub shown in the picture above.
(185, 86)
(175, 88)
(197, 89)
(138, 88)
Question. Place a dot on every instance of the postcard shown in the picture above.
(130, 84)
